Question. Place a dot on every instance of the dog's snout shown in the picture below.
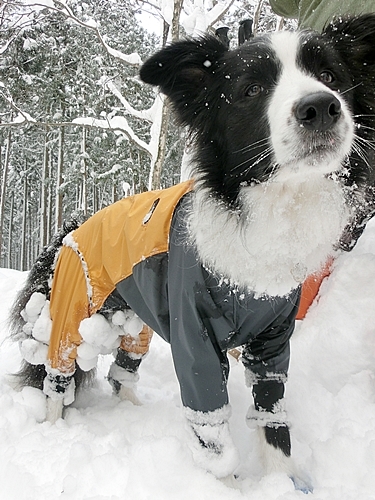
(318, 111)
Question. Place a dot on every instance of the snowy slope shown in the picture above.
(107, 449)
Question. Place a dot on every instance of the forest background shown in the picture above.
(78, 129)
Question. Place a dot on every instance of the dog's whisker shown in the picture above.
(359, 152)
(258, 159)
(264, 151)
(351, 88)
(249, 147)
(360, 126)
(363, 116)
(356, 147)
(365, 142)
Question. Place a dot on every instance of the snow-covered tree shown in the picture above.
(75, 121)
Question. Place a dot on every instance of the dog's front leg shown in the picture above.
(271, 420)
(267, 379)
(211, 443)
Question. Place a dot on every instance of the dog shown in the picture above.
(283, 177)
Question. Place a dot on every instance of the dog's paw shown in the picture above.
(128, 394)
(230, 481)
(301, 485)
(14, 382)
(210, 441)
(55, 409)
(219, 462)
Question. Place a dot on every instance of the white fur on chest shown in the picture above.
(283, 232)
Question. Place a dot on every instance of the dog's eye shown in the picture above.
(326, 77)
(253, 90)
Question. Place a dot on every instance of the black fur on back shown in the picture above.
(38, 280)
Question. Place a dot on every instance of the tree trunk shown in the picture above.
(94, 196)
(59, 180)
(24, 226)
(10, 233)
(4, 187)
(114, 192)
(44, 195)
(257, 16)
(165, 33)
(157, 165)
(163, 134)
(177, 7)
(50, 199)
(84, 172)
(280, 24)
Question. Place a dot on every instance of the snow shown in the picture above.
(118, 124)
(107, 449)
(21, 117)
(97, 331)
(34, 352)
(132, 59)
(34, 307)
(37, 5)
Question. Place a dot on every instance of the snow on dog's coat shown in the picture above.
(283, 177)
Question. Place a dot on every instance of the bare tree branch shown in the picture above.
(142, 115)
(115, 124)
(122, 128)
(218, 12)
(22, 116)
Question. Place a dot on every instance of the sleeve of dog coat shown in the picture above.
(201, 366)
(266, 361)
(207, 318)
(139, 344)
(69, 306)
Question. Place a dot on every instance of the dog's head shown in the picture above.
(280, 105)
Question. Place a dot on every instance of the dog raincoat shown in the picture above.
(136, 253)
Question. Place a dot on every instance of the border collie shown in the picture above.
(283, 174)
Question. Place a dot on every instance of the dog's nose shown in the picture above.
(318, 111)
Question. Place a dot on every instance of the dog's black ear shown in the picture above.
(354, 38)
(184, 70)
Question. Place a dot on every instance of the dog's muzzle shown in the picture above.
(318, 111)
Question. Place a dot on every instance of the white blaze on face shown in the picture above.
(288, 137)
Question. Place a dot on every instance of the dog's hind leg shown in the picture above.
(30, 325)
(123, 376)
(123, 373)
(55, 409)
(60, 392)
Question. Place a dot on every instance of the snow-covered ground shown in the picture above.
(106, 449)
